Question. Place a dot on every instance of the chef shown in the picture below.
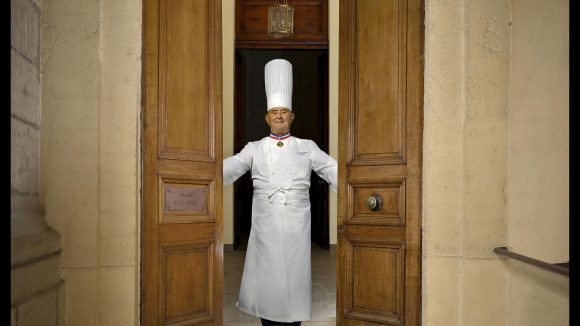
(276, 282)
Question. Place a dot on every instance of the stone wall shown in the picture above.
(467, 52)
(37, 290)
(90, 180)
(539, 162)
(495, 161)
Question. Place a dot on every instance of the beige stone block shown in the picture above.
(70, 49)
(441, 216)
(486, 127)
(70, 179)
(442, 147)
(537, 297)
(444, 55)
(24, 89)
(484, 286)
(442, 189)
(24, 157)
(119, 135)
(24, 29)
(34, 245)
(539, 163)
(34, 277)
(485, 188)
(117, 239)
(487, 54)
(70, 126)
(120, 110)
(441, 291)
(119, 181)
(121, 65)
(485, 135)
(61, 305)
(119, 218)
(539, 211)
(81, 296)
(40, 310)
(118, 303)
(71, 206)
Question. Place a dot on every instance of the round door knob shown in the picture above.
(374, 202)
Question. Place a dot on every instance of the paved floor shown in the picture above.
(323, 288)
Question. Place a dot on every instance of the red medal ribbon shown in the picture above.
(284, 136)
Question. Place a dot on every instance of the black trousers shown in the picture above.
(266, 322)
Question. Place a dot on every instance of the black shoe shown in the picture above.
(266, 322)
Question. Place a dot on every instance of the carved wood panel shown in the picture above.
(310, 24)
(186, 273)
(376, 286)
(186, 107)
(378, 101)
(391, 211)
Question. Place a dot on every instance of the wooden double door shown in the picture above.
(380, 137)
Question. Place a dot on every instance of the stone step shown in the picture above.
(35, 277)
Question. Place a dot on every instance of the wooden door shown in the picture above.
(181, 234)
(380, 123)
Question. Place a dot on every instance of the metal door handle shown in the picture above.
(340, 228)
(374, 202)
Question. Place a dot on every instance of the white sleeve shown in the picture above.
(235, 166)
(324, 165)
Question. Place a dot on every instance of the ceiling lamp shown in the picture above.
(281, 19)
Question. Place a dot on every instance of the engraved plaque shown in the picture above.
(184, 199)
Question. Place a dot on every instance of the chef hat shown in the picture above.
(278, 80)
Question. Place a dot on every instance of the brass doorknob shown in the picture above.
(374, 202)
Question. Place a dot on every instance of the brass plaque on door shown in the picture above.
(185, 199)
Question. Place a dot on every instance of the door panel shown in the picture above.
(182, 246)
(383, 263)
(380, 51)
(186, 270)
(380, 114)
(183, 75)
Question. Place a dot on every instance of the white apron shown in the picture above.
(276, 282)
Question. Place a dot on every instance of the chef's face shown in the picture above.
(279, 120)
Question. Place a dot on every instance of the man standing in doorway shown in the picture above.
(276, 282)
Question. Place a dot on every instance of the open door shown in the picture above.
(380, 123)
(181, 234)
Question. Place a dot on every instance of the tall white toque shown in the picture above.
(278, 80)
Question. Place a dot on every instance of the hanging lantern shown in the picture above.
(281, 19)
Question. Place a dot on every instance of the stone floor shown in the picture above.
(323, 288)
